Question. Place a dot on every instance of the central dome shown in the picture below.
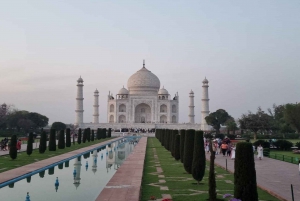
(143, 82)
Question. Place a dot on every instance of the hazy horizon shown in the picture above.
(249, 52)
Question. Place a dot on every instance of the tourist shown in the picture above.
(229, 149)
(253, 148)
(19, 144)
(299, 166)
(260, 150)
(224, 147)
(207, 147)
(233, 152)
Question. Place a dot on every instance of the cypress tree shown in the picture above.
(61, 139)
(43, 143)
(79, 136)
(29, 144)
(212, 176)
(42, 174)
(109, 132)
(67, 164)
(68, 137)
(182, 139)
(52, 140)
(175, 133)
(245, 187)
(61, 166)
(13, 152)
(28, 179)
(188, 150)
(88, 136)
(84, 135)
(93, 137)
(104, 133)
(163, 135)
(98, 134)
(177, 147)
(51, 171)
(198, 167)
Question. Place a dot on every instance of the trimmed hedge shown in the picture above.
(29, 144)
(61, 139)
(245, 187)
(199, 161)
(79, 136)
(182, 139)
(52, 140)
(98, 134)
(177, 147)
(43, 143)
(13, 152)
(93, 136)
(68, 137)
(188, 150)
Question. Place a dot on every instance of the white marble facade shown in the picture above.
(143, 102)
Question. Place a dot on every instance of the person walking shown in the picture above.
(229, 149)
(260, 153)
(19, 144)
(224, 147)
(233, 152)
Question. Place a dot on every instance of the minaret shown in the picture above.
(77, 170)
(79, 102)
(192, 114)
(96, 107)
(205, 104)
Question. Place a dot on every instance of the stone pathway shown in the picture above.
(272, 175)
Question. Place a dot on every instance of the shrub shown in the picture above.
(68, 137)
(198, 165)
(52, 140)
(266, 152)
(84, 135)
(88, 135)
(177, 147)
(109, 133)
(104, 133)
(297, 145)
(98, 134)
(283, 144)
(264, 144)
(245, 187)
(188, 150)
(43, 143)
(182, 139)
(29, 144)
(93, 136)
(61, 139)
(174, 134)
(13, 152)
(79, 136)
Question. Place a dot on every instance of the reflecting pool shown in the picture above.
(79, 179)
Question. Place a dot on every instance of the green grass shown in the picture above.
(287, 156)
(6, 163)
(182, 185)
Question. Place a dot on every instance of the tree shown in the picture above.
(109, 132)
(58, 126)
(292, 115)
(174, 134)
(88, 136)
(198, 166)
(29, 144)
(25, 124)
(98, 134)
(93, 136)
(61, 139)
(231, 125)
(85, 133)
(217, 118)
(43, 143)
(278, 122)
(177, 147)
(38, 120)
(104, 133)
(13, 152)
(212, 176)
(182, 139)
(52, 140)
(79, 136)
(188, 150)
(245, 187)
(68, 137)
(260, 121)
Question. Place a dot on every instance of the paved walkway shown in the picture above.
(126, 183)
(17, 172)
(275, 176)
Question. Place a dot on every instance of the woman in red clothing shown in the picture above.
(19, 143)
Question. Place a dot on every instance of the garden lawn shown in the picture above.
(182, 186)
(287, 156)
(6, 163)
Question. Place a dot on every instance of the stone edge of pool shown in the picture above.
(17, 174)
(126, 182)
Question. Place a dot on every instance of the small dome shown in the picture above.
(163, 91)
(80, 79)
(191, 92)
(96, 91)
(205, 81)
(123, 91)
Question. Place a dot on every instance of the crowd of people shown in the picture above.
(5, 144)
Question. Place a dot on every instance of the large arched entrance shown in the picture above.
(143, 113)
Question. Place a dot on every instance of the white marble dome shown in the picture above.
(123, 91)
(143, 82)
(163, 91)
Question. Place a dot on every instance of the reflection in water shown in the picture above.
(56, 184)
(42, 174)
(76, 173)
(94, 166)
(51, 171)
(28, 179)
(61, 166)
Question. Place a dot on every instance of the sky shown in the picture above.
(248, 50)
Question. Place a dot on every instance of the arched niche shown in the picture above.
(111, 108)
(122, 119)
(122, 108)
(174, 119)
(111, 119)
(163, 108)
(142, 113)
(163, 119)
(174, 109)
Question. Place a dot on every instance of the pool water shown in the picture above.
(80, 179)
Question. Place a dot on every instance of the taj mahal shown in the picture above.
(145, 104)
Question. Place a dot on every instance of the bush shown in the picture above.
(297, 145)
(61, 139)
(109, 133)
(88, 135)
(188, 150)
(173, 146)
(13, 152)
(266, 152)
(98, 134)
(182, 139)
(245, 187)
(93, 136)
(264, 144)
(104, 133)
(79, 136)
(43, 143)
(52, 140)
(177, 147)
(283, 144)
(68, 137)
(198, 165)
(29, 144)
(85, 133)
